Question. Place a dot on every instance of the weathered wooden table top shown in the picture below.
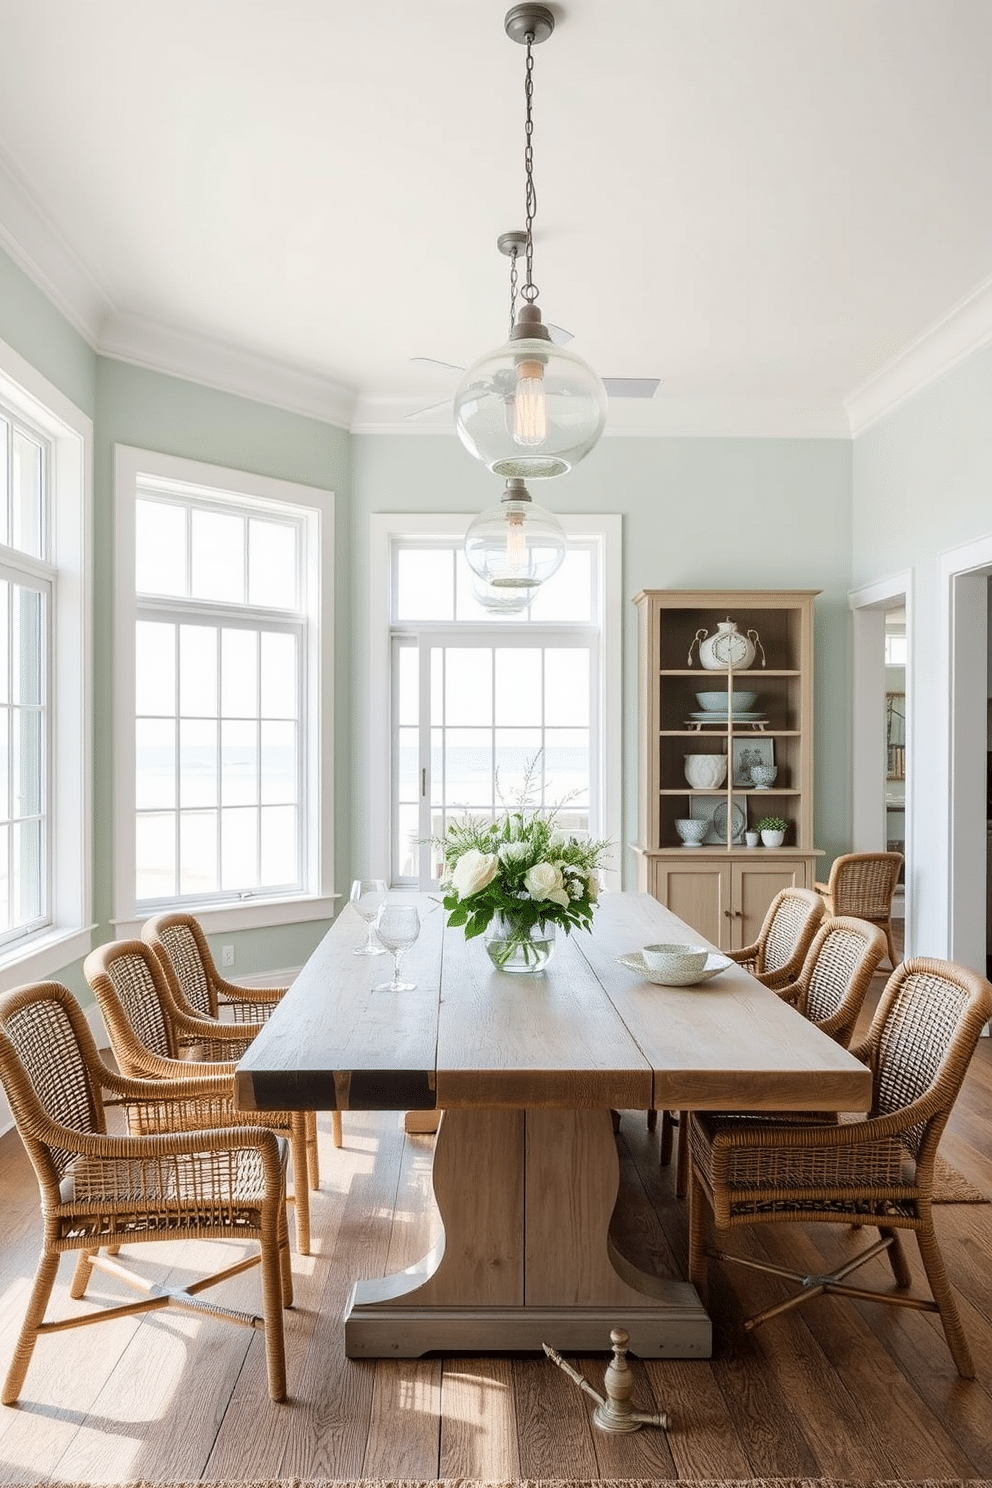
(586, 1033)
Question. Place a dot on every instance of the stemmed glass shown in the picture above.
(368, 895)
(398, 928)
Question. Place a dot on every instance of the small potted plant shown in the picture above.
(772, 829)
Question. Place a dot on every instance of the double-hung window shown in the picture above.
(45, 453)
(482, 704)
(227, 647)
(27, 588)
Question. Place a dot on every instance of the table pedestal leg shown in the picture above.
(525, 1198)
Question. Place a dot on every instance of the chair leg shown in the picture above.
(682, 1157)
(698, 1260)
(272, 1305)
(38, 1301)
(897, 1257)
(313, 1154)
(301, 1184)
(652, 1119)
(940, 1287)
(84, 1270)
(893, 954)
(336, 1128)
(668, 1124)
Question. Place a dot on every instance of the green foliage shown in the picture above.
(520, 866)
(772, 824)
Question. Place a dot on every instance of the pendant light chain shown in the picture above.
(513, 288)
(529, 291)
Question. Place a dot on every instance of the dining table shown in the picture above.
(528, 1072)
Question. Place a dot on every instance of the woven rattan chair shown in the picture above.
(785, 936)
(833, 983)
(864, 884)
(101, 1191)
(152, 1038)
(830, 991)
(197, 986)
(876, 1170)
(776, 959)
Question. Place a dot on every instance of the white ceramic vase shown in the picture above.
(772, 839)
(706, 771)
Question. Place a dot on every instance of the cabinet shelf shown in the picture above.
(723, 888)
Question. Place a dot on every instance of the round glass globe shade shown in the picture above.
(530, 409)
(513, 548)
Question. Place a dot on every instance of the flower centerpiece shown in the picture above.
(515, 879)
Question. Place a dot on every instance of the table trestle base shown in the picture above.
(375, 1331)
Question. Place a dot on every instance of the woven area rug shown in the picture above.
(951, 1187)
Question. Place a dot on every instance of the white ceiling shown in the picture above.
(780, 207)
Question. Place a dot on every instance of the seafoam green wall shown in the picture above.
(727, 513)
(40, 334)
(922, 484)
(175, 417)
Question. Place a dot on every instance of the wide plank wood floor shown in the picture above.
(835, 1389)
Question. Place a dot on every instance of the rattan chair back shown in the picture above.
(789, 927)
(919, 1045)
(182, 948)
(46, 1056)
(864, 885)
(837, 973)
(133, 995)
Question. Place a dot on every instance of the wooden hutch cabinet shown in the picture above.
(722, 887)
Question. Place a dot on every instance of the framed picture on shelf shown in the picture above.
(752, 750)
(713, 811)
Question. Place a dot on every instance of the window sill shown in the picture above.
(252, 914)
(44, 956)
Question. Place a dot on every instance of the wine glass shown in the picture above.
(368, 895)
(398, 928)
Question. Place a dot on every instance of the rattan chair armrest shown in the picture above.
(779, 981)
(232, 992)
(748, 956)
(821, 888)
(207, 1028)
(787, 991)
(844, 1134)
(158, 1067)
(205, 1083)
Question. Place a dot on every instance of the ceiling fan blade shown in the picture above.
(444, 403)
(631, 387)
(435, 362)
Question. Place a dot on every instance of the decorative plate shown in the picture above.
(738, 821)
(707, 716)
(715, 963)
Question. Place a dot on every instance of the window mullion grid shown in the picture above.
(425, 733)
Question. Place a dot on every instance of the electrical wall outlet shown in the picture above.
(227, 955)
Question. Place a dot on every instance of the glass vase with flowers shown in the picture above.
(516, 879)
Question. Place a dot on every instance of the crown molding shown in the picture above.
(964, 330)
(38, 248)
(159, 348)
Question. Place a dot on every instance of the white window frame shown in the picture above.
(67, 934)
(317, 901)
(606, 532)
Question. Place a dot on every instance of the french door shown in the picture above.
(478, 718)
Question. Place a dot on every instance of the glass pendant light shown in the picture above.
(530, 408)
(512, 548)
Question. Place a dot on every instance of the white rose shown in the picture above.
(514, 852)
(473, 871)
(544, 881)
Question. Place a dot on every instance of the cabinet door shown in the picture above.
(756, 883)
(699, 893)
